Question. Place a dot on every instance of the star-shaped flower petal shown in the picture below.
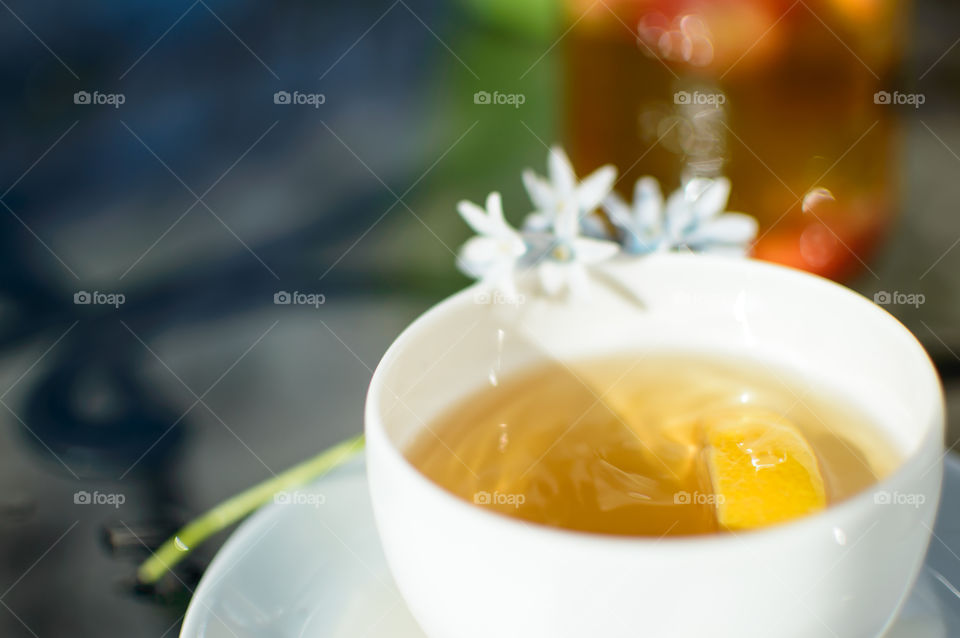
(492, 255)
(640, 222)
(562, 191)
(696, 220)
(568, 255)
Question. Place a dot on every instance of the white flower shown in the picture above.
(564, 235)
(564, 263)
(641, 222)
(693, 218)
(563, 193)
(492, 255)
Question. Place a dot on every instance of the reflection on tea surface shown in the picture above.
(653, 445)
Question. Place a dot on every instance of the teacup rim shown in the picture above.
(935, 425)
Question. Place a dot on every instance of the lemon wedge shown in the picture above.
(762, 469)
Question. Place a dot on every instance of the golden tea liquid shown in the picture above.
(616, 446)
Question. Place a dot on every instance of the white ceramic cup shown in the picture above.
(466, 572)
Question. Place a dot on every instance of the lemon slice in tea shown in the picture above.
(762, 469)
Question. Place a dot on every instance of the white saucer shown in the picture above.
(314, 568)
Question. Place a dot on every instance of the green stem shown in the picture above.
(177, 547)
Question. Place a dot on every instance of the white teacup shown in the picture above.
(466, 572)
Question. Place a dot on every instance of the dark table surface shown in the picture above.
(198, 198)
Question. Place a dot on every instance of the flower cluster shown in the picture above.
(565, 232)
